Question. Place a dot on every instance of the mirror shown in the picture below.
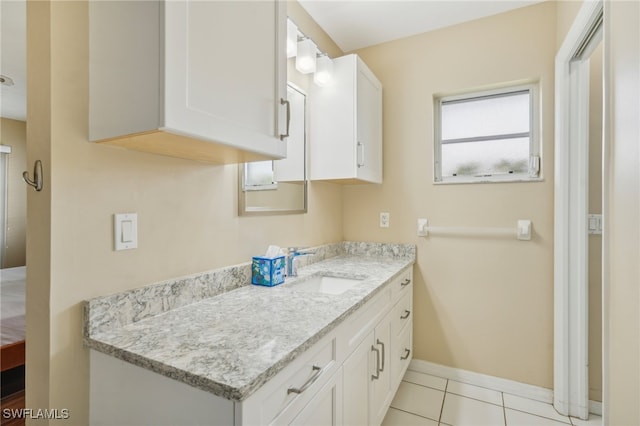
(279, 186)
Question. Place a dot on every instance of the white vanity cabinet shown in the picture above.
(348, 377)
(346, 125)
(374, 370)
(202, 80)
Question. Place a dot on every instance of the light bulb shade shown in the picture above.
(324, 71)
(292, 39)
(306, 59)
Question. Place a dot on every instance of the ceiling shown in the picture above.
(355, 24)
(352, 24)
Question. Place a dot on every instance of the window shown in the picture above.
(258, 176)
(487, 136)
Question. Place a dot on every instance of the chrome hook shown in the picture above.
(37, 181)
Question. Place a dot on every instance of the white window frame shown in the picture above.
(534, 173)
(247, 186)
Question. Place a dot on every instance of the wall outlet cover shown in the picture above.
(384, 220)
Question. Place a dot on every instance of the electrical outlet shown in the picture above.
(384, 220)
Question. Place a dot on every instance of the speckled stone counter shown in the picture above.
(234, 341)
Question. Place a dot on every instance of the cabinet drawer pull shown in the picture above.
(405, 282)
(286, 102)
(381, 344)
(377, 375)
(406, 354)
(405, 315)
(312, 379)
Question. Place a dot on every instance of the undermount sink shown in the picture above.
(326, 284)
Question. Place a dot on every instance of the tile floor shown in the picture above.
(428, 400)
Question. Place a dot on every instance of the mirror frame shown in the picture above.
(242, 205)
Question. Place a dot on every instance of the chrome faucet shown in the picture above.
(292, 253)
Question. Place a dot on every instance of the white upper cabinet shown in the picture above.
(346, 125)
(292, 168)
(203, 80)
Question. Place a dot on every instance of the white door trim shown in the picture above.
(571, 389)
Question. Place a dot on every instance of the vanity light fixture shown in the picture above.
(306, 59)
(324, 70)
(309, 59)
(292, 39)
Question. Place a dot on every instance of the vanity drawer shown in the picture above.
(298, 385)
(402, 353)
(402, 314)
(402, 284)
(361, 322)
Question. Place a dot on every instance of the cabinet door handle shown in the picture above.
(312, 379)
(377, 375)
(288, 104)
(381, 344)
(405, 282)
(361, 146)
(406, 354)
(406, 314)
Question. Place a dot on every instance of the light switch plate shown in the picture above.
(125, 231)
(594, 224)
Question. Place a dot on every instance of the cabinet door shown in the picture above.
(332, 128)
(225, 71)
(381, 387)
(292, 168)
(369, 126)
(357, 371)
(325, 409)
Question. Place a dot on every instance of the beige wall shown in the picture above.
(595, 241)
(622, 203)
(482, 304)
(566, 14)
(14, 134)
(187, 213)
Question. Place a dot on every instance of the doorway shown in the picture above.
(13, 205)
(578, 192)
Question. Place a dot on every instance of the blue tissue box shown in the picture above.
(267, 271)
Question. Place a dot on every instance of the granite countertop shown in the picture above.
(234, 342)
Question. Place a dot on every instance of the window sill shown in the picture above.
(488, 179)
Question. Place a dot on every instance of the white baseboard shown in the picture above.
(496, 383)
(595, 407)
(512, 387)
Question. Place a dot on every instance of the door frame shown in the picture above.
(571, 290)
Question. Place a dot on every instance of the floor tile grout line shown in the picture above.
(424, 386)
(504, 407)
(414, 414)
(504, 410)
(476, 399)
(444, 397)
(543, 417)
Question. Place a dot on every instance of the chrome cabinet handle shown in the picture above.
(312, 379)
(381, 344)
(377, 375)
(406, 314)
(288, 104)
(406, 354)
(405, 282)
(361, 146)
